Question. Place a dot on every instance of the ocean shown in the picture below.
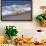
(14, 2)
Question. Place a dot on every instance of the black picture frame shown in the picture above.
(17, 19)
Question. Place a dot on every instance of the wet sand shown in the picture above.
(22, 16)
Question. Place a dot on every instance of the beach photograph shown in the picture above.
(16, 10)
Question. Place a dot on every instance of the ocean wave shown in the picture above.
(6, 10)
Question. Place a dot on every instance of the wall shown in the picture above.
(26, 27)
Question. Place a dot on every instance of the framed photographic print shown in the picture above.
(16, 10)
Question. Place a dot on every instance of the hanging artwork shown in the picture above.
(16, 10)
